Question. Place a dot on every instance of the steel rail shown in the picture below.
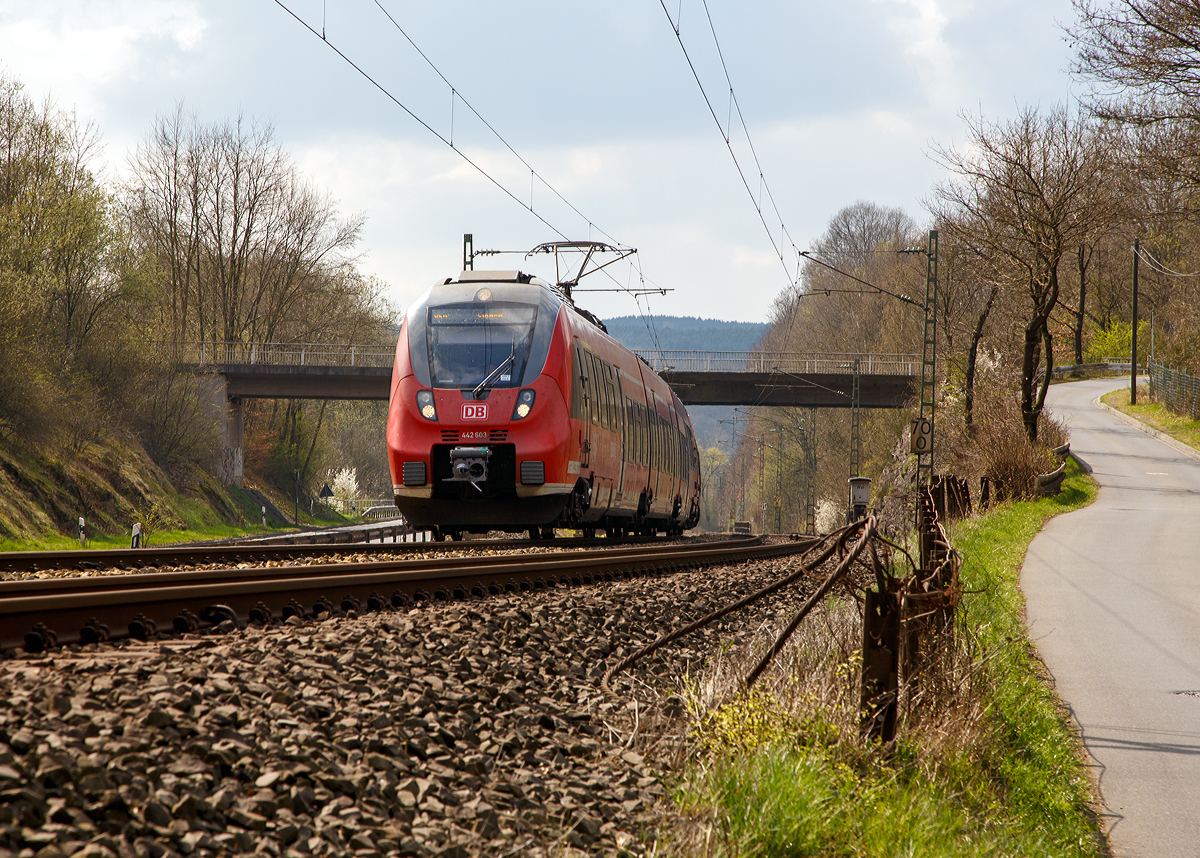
(82, 609)
(142, 558)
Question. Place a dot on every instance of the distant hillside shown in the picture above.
(712, 422)
(686, 333)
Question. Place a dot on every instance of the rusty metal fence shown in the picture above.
(1178, 391)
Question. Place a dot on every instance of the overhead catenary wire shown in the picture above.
(383, 89)
(809, 256)
(1157, 266)
(727, 137)
(456, 95)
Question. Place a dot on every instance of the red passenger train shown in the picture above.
(512, 410)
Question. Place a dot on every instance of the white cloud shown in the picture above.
(843, 100)
(921, 27)
(678, 200)
(81, 50)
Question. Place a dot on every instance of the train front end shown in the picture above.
(478, 434)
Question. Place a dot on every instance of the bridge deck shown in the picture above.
(307, 371)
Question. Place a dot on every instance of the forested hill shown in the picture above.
(685, 332)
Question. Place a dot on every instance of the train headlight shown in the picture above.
(524, 404)
(425, 404)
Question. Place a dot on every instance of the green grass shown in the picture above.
(1156, 415)
(198, 533)
(196, 521)
(1009, 780)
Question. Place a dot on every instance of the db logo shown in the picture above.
(475, 412)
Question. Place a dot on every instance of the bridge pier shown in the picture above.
(229, 413)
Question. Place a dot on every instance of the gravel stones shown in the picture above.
(471, 728)
(94, 569)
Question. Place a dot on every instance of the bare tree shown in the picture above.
(1142, 55)
(1025, 194)
(242, 239)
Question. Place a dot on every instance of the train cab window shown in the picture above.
(469, 343)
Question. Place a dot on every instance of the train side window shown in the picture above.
(640, 432)
(598, 387)
(619, 411)
(648, 429)
(674, 448)
(670, 445)
(576, 386)
(611, 398)
(598, 408)
(589, 385)
(630, 436)
(658, 437)
(609, 401)
(589, 361)
(651, 452)
(602, 378)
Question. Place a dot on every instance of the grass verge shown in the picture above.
(1155, 415)
(990, 768)
(193, 533)
(192, 519)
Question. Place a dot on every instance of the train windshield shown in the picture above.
(470, 342)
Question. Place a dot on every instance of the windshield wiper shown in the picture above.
(504, 364)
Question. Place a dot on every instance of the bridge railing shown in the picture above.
(786, 362)
(284, 354)
(364, 507)
(326, 354)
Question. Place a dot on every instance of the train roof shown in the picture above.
(519, 277)
(470, 276)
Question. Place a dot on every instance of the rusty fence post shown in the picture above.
(881, 667)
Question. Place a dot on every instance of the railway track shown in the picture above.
(13, 562)
(41, 613)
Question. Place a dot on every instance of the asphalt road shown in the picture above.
(1113, 600)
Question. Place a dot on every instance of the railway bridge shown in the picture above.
(236, 372)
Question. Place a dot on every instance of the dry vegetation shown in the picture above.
(983, 762)
(215, 235)
(1037, 220)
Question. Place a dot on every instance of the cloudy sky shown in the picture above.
(842, 99)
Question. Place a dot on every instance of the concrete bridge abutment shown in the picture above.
(228, 412)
